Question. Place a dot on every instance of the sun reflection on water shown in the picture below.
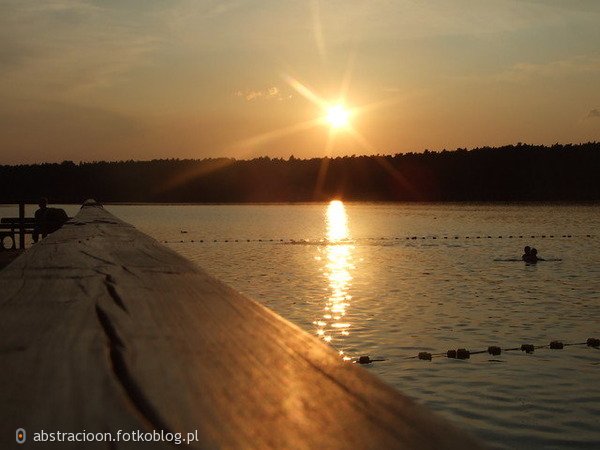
(336, 221)
(333, 326)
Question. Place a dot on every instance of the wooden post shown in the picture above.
(22, 225)
(104, 329)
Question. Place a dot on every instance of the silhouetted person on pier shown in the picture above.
(47, 220)
(40, 220)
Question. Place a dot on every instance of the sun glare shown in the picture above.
(337, 221)
(333, 113)
(337, 116)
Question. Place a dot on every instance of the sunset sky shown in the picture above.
(143, 79)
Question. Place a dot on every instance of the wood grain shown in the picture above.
(102, 328)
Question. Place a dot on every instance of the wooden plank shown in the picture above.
(102, 328)
(21, 225)
(7, 256)
(16, 220)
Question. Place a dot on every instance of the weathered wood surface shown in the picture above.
(104, 329)
(8, 256)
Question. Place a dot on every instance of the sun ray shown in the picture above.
(358, 110)
(306, 92)
(275, 134)
(321, 176)
(345, 86)
(194, 171)
(335, 113)
(318, 28)
(401, 179)
(329, 143)
(358, 137)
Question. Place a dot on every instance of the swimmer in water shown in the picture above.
(531, 256)
(534, 256)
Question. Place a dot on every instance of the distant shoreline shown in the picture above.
(347, 202)
(563, 174)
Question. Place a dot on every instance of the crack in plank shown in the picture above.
(110, 284)
(132, 390)
(91, 255)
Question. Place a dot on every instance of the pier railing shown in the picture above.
(104, 330)
(13, 226)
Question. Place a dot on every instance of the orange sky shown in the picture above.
(133, 79)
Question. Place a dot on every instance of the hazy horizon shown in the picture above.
(118, 80)
(290, 156)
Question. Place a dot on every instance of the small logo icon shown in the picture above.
(21, 436)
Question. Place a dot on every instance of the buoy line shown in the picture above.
(493, 350)
(383, 238)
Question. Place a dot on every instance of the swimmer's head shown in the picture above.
(534, 251)
(527, 249)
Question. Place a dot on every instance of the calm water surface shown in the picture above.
(352, 278)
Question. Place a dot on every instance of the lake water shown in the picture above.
(348, 274)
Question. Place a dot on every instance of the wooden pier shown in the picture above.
(104, 329)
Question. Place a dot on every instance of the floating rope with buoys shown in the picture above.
(383, 238)
(493, 350)
(460, 353)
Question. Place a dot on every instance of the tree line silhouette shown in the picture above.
(511, 173)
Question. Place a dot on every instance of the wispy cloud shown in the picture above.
(221, 7)
(410, 19)
(66, 47)
(270, 93)
(594, 114)
(522, 72)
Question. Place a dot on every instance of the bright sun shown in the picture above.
(337, 116)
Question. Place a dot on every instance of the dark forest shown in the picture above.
(511, 173)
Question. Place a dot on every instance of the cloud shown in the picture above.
(57, 49)
(594, 114)
(221, 7)
(409, 19)
(523, 72)
(270, 93)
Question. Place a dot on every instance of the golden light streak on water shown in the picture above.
(336, 221)
(333, 325)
